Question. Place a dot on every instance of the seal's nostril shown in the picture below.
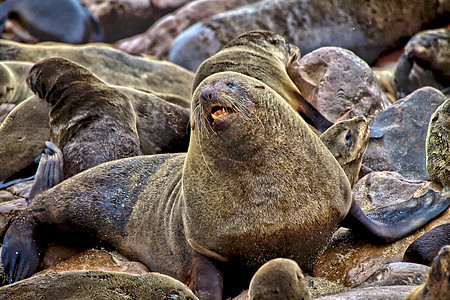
(206, 95)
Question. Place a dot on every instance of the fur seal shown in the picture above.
(279, 279)
(90, 121)
(52, 20)
(369, 30)
(13, 87)
(111, 65)
(86, 285)
(347, 140)
(426, 62)
(251, 187)
(437, 286)
(161, 126)
(424, 249)
(437, 145)
(23, 133)
(268, 57)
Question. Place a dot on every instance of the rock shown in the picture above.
(93, 260)
(424, 249)
(405, 125)
(339, 84)
(398, 273)
(381, 188)
(368, 30)
(87, 285)
(385, 77)
(350, 260)
(398, 292)
(164, 4)
(158, 39)
(121, 18)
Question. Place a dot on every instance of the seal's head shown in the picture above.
(253, 174)
(430, 49)
(347, 140)
(53, 75)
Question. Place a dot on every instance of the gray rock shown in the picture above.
(366, 28)
(405, 125)
(397, 292)
(378, 189)
(339, 84)
(398, 273)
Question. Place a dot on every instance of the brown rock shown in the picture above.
(339, 84)
(97, 260)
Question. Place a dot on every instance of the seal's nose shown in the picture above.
(207, 95)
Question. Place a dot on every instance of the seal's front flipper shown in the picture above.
(206, 280)
(394, 222)
(50, 170)
(20, 254)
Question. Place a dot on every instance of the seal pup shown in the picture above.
(268, 57)
(13, 87)
(347, 140)
(52, 20)
(279, 279)
(251, 187)
(90, 121)
(437, 145)
(437, 286)
(425, 62)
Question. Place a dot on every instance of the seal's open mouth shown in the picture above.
(219, 112)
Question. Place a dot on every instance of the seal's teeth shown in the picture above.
(219, 113)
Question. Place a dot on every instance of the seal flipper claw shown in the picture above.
(20, 254)
(50, 171)
(394, 222)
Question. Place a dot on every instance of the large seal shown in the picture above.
(255, 184)
(425, 62)
(437, 145)
(268, 57)
(52, 20)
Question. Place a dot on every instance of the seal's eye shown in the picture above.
(348, 139)
(288, 47)
(231, 86)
